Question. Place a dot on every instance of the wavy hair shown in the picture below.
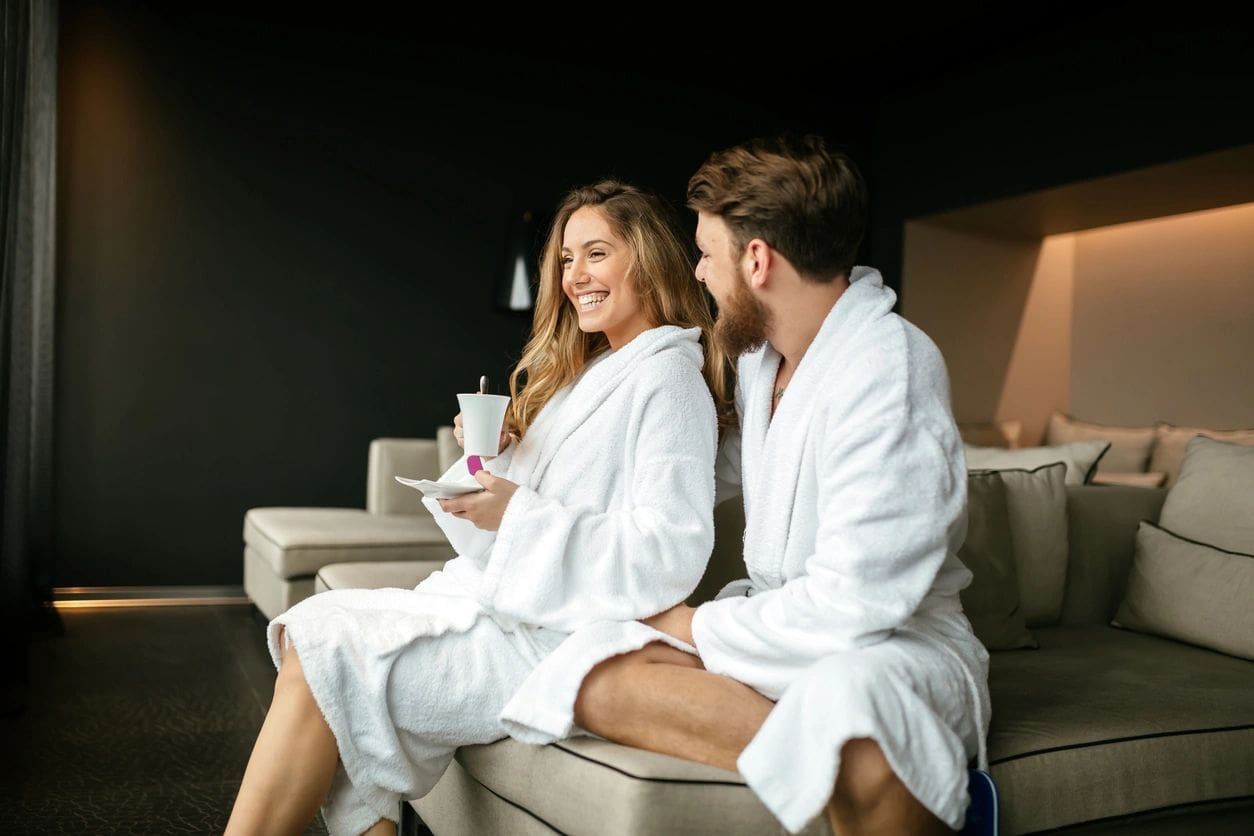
(661, 273)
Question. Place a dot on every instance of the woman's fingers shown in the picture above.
(459, 434)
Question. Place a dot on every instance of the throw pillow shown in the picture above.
(1129, 446)
(1171, 441)
(1213, 500)
(1036, 503)
(1152, 479)
(1080, 457)
(991, 602)
(1185, 590)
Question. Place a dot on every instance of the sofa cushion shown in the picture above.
(1213, 500)
(1080, 457)
(1036, 501)
(389, 574)
(991, 601)
(297, 542)
(1171, 441)
(587, 785)
(1102, 722)
(1130, 447)
(1101, 534)
(1189, 591)
(1149, 479)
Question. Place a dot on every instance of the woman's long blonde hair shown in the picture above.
(661, 269)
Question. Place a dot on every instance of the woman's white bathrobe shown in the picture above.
(855, 506)
(612, 522)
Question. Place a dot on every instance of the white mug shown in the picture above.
(483, 416)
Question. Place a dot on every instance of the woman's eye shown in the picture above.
(596, 254)
(566, 260)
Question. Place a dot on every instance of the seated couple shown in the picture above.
(840, 678)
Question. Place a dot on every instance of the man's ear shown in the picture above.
(758, 260)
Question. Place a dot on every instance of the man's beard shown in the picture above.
(742, 322)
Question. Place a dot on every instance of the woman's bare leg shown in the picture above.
(292, 765)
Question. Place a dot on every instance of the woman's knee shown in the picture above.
(291, 678)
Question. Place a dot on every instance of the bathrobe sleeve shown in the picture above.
(564, 565)
(888, 494)
(463, 536)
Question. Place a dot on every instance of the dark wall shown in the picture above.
(1091, 94)
(277, 242)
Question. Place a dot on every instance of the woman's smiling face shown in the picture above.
(596, 277)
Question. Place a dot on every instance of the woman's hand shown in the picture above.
(459, 433)
(676, 622)
(484, 508)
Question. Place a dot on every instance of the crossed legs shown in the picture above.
(292, 765)
(662, 699)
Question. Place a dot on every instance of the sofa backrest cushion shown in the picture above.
(392, 457)
(727, 563)
(1102, 522)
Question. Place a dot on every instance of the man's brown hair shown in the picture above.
(801, 199)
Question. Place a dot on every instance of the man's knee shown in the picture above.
(865, 774)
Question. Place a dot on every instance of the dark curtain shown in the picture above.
(27, 226)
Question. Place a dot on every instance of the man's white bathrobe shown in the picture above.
(613, 521)
(855, 506)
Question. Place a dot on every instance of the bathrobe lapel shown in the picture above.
(574, 405)
(776, 450)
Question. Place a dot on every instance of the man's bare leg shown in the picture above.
(383, 827)
(293, 762)
(869, 798)
(661, 699)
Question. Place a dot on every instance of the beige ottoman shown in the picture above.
(393, 574)
(285, 547)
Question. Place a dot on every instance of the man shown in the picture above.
(841, 677)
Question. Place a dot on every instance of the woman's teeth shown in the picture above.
(588, 301)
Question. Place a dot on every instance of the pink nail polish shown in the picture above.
(474, 464)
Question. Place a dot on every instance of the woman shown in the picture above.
(598, 514)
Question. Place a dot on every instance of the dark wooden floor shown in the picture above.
(140, 721)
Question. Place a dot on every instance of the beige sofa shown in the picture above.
(1101, 729)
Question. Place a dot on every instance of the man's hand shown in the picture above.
(486, 507)
(677, 622)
